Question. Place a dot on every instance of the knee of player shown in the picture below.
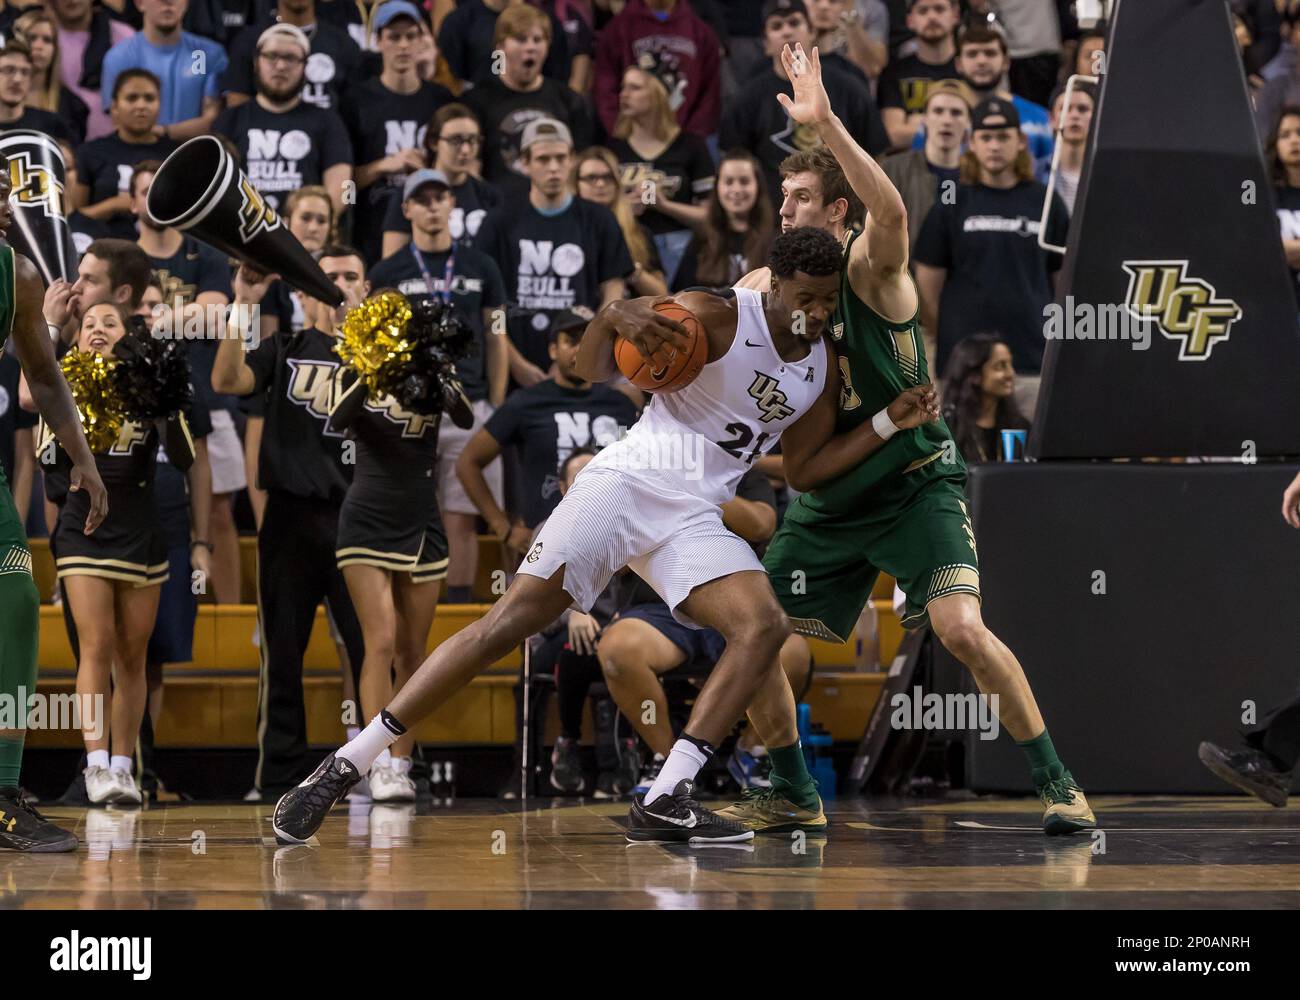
(964, 637)
(760, 634)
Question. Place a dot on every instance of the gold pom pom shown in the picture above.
(374, 343)
(90, 378)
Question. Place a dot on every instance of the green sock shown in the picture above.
(1044, 765)
(20, 612)
(790, 775)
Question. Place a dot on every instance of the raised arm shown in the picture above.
(882, 254)
(49, 391)
(230, 371)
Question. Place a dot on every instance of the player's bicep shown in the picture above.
(31, 340)
(807, 435)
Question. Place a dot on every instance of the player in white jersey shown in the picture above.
(652, 501)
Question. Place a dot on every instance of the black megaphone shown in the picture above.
(39, 203)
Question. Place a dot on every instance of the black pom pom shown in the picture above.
(152, 375)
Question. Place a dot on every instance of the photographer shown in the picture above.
(471, 281)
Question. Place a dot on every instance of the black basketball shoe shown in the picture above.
(302, 810)
(1250, 770)
(22, 828)
(679, 818)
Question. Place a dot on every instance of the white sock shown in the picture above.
(97, 758)
(685, 761)
(401, 765)
(120, 764)
(385, 759)
(352, 732)
(368, 745)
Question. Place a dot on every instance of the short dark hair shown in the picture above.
(143, 167)
(579, 452)
(1080, 87)
(134, 73)
(976, 33)
(821, 161)
(342, 250)
(813, 251)
(127, 265)
(448, 113)
(13, 47)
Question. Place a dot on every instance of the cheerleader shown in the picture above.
(112, 579)
(392, 550)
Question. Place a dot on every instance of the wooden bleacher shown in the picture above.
(212, 700)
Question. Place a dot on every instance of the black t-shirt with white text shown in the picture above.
(474, 199)
(551, 263)
(476, 284)
(104, 165)
(285, 150)
(1288, 220)
(504, 113)
(544, 423)
(998, 276)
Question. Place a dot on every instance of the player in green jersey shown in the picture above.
(901, 509)
(22, 293)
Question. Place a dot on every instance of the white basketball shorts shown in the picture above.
(611, 518)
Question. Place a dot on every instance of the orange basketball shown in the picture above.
(681, 369)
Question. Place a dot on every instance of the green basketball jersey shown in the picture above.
(878, 360)
(13, 539)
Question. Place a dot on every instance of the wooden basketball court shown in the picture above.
(1165, 853)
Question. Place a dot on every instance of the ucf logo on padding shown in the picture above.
(255, 215)
(1183, 308)
(34, 186)
(771, 400)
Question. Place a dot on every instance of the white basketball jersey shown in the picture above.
(702, 439)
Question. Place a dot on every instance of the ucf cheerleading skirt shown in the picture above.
(400, 531)
(128, 546)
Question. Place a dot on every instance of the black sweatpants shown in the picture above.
(1279, 734)
(296, 571)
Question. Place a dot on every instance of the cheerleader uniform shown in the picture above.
(390, 516)
(129, 545)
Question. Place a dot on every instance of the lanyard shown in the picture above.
(447, 272)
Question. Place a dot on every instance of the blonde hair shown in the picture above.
(969, 167)
(45, 93)
(637, 244)
(665, 122)
(310, 191)
(517, 21)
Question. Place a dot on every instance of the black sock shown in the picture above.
(459, 595)
(390, 722)
(705, 748)
(574, 673)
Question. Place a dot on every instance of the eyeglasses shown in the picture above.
(280, 59)
(15, 71)
(605, 178)
(461, 140)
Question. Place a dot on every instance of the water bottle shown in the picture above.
(448, 782)
(822, 765)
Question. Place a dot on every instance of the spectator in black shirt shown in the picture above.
(738, 230)
(36, 30)
(506, 104)
(386, 117)
(905, 81)
(334, 62)
(756, 121)
(595, 178)
(979, 400)
(104, 165)
(556, 252)
(543, 423)
(15, 85)
(667, 173)
(1282, 154)
(978, 262)
(469, 39)
(577, 20)
(451, 144)
(283, 142)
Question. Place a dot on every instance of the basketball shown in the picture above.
(681, 369)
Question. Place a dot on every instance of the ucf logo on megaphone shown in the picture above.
(255, 215)
(35, 186)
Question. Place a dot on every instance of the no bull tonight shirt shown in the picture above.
(285, 150)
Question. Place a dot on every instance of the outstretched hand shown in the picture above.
(810, 105)
(914, 407)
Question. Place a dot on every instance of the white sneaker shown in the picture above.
(360, 791)
(101, 788)
(128, 792)
(386, 785)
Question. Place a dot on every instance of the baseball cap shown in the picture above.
(994, 112)
(783, 7)
(391, 10)
(953, 88)
(545, 130)
(422, 177)
(287, 31)
(565, 321)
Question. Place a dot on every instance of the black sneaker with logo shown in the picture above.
(301, 811)
(679, 818)
(22, 828)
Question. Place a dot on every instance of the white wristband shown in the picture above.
(883, 426)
